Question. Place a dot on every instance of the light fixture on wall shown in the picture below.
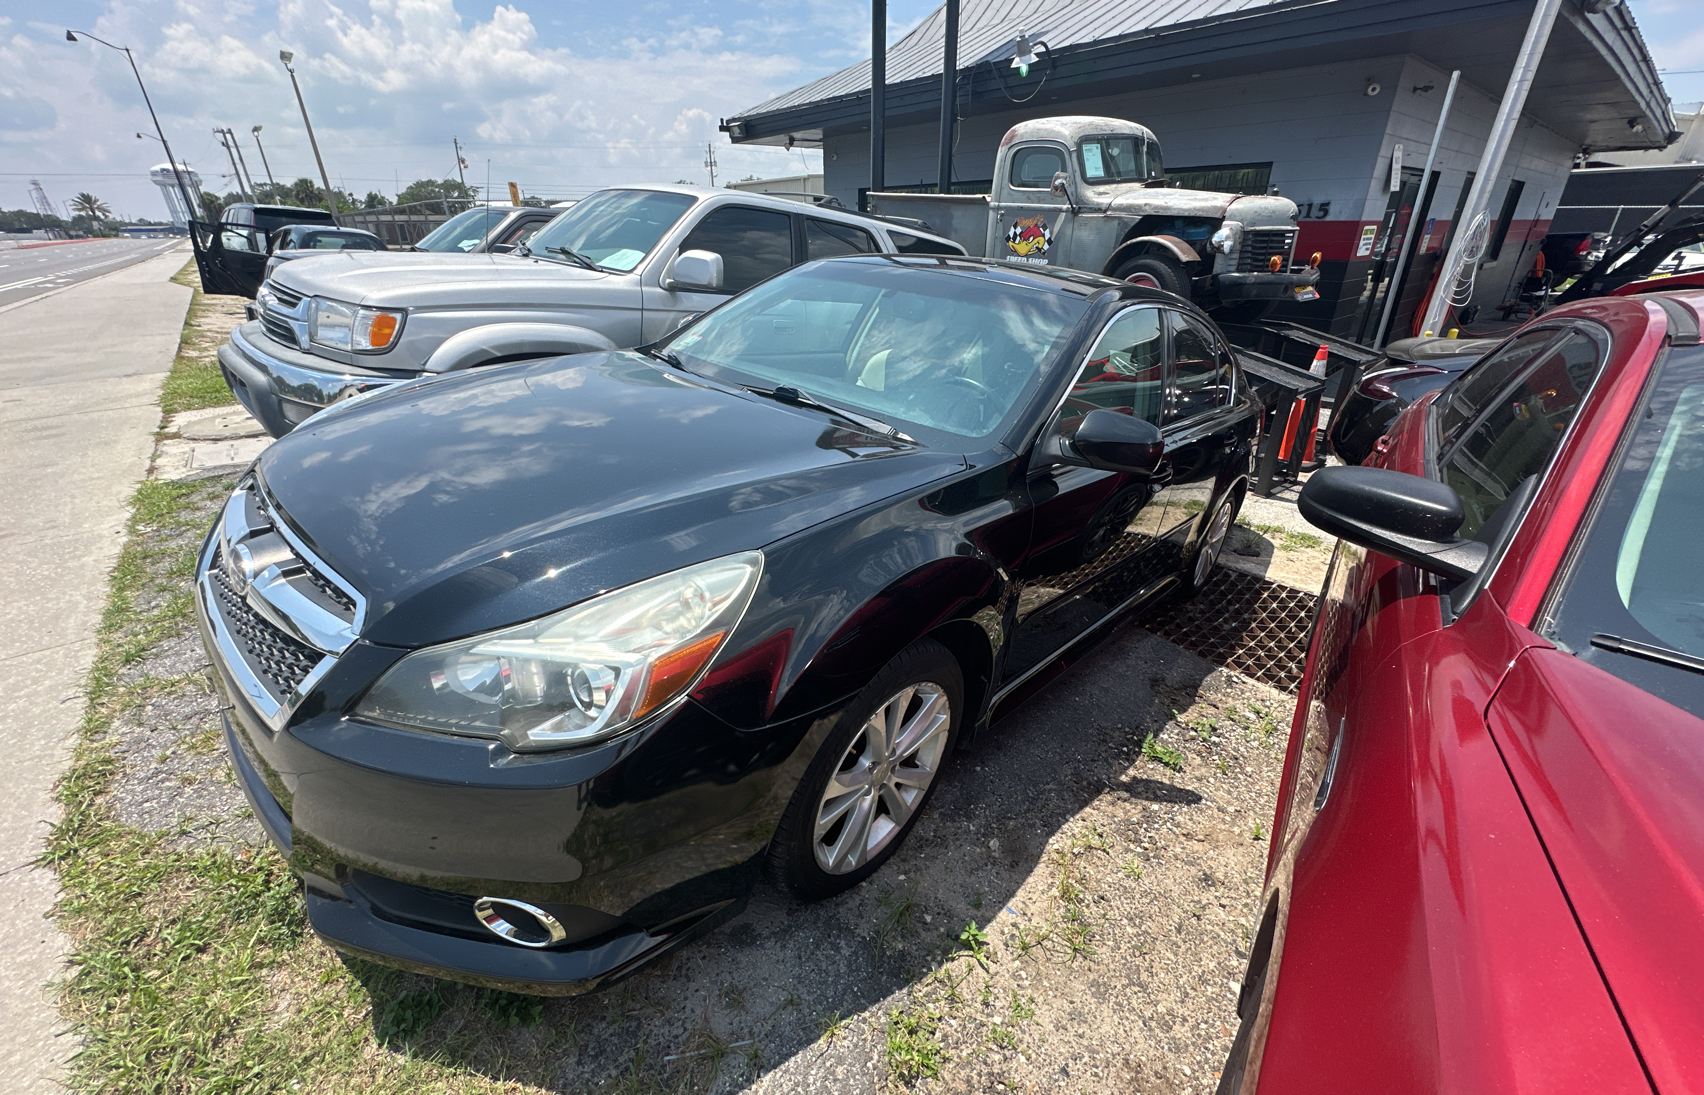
(1637, 125)
(1023, 54)
(1373, 87)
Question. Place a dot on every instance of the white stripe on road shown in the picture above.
(20, 284)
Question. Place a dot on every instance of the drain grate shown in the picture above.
(1256, 627)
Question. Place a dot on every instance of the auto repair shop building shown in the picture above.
(1311, 97)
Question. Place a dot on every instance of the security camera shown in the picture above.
(1373, 87)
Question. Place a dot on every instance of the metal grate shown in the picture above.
(1256, 627)
(335, 595)
(1260, 244)
(281, 659)
(278, 329)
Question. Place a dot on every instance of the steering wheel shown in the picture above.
(984, 394)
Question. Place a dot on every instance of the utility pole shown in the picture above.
(242, 163)
(878, 94)
(710, 160)
(330, 196)
(1496, 147)
(949, 95)
(1412, 237)
(269, 179)
(461, 164)
(232, 156)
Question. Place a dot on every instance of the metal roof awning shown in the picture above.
(1596, 85)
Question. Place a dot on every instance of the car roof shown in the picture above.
(787, 205)
(1076, 282)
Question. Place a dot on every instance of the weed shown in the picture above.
(511, 1009)
(407, 1015)
(831, 1027)
(1259, 831)
(976, 901)
(1223, 765)
(899, 907)
(913, 1045)
(1000, 1036)
(1164, 754)
(1023, 1007)
(1132, 869)
(1028, 939)
(975, 941)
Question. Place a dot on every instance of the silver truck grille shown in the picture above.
(289, 298)
(278, 327)
(283, 315)
(278, 616)
(1260, 244)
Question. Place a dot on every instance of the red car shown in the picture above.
(1487, 865)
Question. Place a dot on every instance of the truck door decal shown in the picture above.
(1028, 240)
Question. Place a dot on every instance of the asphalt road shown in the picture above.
(29, 272)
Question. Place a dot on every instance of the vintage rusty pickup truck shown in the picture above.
(1091, 194)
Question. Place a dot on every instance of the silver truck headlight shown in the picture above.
(342, 326)
(579, 675)
(1226, 239)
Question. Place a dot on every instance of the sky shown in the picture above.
(560, 96)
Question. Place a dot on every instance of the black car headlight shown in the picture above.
(575, 676)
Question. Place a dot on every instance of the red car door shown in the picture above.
(1415, 938)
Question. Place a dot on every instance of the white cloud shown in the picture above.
(389, 82)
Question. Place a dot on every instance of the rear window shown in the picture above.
(1033, 167)
(1632, 602)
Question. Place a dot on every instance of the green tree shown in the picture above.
(450, 192)
(86, 204)
(26, 220)
(374, 200)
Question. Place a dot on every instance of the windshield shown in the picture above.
(919, 348)
(463, 231)
(1120, 159)
(1637, 579)
(614, 229)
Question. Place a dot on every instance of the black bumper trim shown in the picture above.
(1263, 286)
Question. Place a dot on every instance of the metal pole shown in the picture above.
(1411, 241)
(878, 94)
(949, 95)
(1496, 147)
(242, 163)
(232, 157)
(270, 181)
(330, 199)
(171, 161)
(460, 172)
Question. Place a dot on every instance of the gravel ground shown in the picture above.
(1072, 914)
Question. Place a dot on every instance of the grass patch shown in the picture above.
(1284, 539)
(194, 381)
(1164, 754)
(913, 1046)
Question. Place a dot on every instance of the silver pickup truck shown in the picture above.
(621, 268)
(1091, 194)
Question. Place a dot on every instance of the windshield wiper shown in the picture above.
(570, 253)
(786, 393)
(1661, 654)
(669, 357)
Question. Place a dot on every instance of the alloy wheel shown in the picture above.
(882, 778)
(1213, 542)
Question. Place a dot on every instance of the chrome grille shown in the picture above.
(278, 328)
(1260, 244)
(333, 594)
(284, 662)
(288, 298)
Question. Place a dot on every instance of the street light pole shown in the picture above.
(243, 164)
(177, 173)
(242, 191)
(330, 201)
(272, 182)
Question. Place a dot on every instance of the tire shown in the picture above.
(1215, 531)
(853, 774)
(1164, 271)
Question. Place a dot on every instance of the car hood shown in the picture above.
(407, 279)
(1257, 211)
(479, 499)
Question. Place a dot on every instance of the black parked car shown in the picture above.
(300, 241)
(531, 668)
(1409, 369)
(231, 255)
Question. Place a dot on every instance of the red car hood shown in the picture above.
(1613, 778)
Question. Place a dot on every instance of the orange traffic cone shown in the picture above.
(1290, 428)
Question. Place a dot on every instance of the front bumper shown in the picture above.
(1264, 285)
(283, 388)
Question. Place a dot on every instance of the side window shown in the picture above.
(917, 245)
(1033, 167)
(826, 239)
(754, 243)
(1200, 369)
(1125, 371)
(1470, 392)
(1516, 437)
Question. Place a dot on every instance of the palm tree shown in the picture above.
(90, 206)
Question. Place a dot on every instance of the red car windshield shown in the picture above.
(1633, 601)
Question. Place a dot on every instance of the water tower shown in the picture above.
(167, 180)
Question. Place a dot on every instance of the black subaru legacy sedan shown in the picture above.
(531, 670)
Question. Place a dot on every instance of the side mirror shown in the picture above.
(1109, 441)
(1410, 518)
(697, 270)
(1061, 185)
